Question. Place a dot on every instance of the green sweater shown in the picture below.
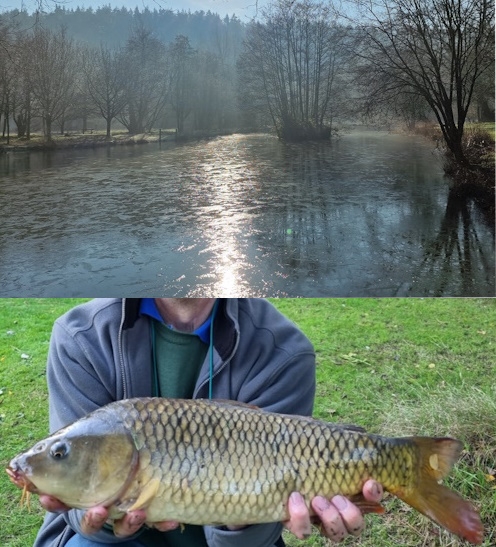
(178, 358)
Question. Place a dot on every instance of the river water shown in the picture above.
(240, 215)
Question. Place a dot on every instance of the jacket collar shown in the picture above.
(225, 331)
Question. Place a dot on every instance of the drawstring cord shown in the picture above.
(155, 390)
(211, 350)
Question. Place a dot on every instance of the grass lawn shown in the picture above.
(395, 366)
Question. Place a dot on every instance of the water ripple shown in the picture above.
(242, 215)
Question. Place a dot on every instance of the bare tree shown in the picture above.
(22, 89)
(291, 64)
(53, 72)
(435, 49)
(7, 74)
(146, 89)
(6, 83)
(181, 79)
(104, 81)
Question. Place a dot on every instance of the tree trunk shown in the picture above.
(454, 143)
(21, 122)
(28, 122)
(8, 126)
(48, 129)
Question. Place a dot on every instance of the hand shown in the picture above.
(338, 517)
(95, 517)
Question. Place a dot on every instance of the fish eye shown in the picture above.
(59, 450)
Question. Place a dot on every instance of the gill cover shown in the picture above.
(90, 462)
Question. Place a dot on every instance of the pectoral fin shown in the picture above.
(146, 496)
(366, 506)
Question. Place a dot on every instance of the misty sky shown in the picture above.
(242, 8)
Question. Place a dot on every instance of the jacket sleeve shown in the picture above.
(81, 374)
(81, 377)
(278, 367)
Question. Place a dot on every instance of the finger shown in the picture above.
(351, 515)
(373, 490)
(52, 504)
(129, 524)
(331, 523)
(93, 520)
(165, 526)
(299, 517)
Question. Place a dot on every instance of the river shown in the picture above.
(241, 215)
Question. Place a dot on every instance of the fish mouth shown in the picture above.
(21, 481)
(19, 478)
(15, 476)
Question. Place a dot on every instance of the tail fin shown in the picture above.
(442, 505)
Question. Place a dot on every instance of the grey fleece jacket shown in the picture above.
(101, 352)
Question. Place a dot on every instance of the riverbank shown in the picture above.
(474, 181)
(89, 139)
(97, 139)
(478, 144)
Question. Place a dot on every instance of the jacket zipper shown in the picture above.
(121, 351)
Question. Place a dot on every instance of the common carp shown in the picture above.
(226, 463)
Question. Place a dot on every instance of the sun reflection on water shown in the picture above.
(225, 215)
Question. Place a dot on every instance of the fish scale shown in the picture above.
(229, 470)
(222, 462)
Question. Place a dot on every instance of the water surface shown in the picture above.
(241, 215)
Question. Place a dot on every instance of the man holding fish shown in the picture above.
(238, 349)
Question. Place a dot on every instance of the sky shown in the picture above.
(244, 9)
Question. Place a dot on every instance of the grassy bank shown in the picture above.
(478, 147)
(74, 139)
(397, 366)
(409, 366)
(96, 139)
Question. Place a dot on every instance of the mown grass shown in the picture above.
(395, 366)
(25, 327)
(410, 366)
